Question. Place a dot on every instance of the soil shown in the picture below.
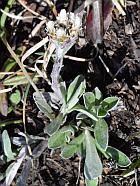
(120, 52)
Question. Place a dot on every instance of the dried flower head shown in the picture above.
(67, 25)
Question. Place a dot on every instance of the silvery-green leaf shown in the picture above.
(120, 158)
(37, 151)
(63, 91)
(83, 110)
(67, 128)
(89, 100)
(6, 143)
(15, 166)
(101, 112)
(81, 116)
(74, 86)
(53, 100)
(3, 175)
(98, 96)
(101, 133)
(93, 182)
(109, 102)
(93, 165)
(59, 138)
(43, 105)
(106, 105)
(75, 91)
(55, 124)
(70, 149)
(131, 168)
(21, 181)
(82, 150)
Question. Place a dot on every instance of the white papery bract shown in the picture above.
(71, 17)
(77, 22)
(50, 26)
(62, 18)
(60, 32)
